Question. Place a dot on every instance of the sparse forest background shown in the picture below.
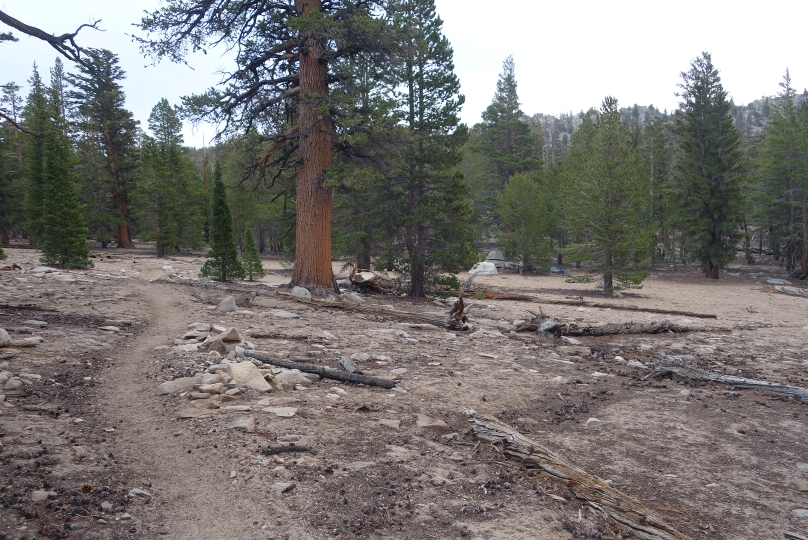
(612, 189)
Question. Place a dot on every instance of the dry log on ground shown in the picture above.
(641, 521)
(551, 327)
(669, 365)
(451, 322)
(324, 372)
(496, 295)
(287, 449)
(26, 307)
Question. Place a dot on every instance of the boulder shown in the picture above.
(216, 388)
(427, 422)
(227, 305)
(231, 334)
(247, 374)
(177, 385)
(218, 346)
(301, 292)
(283, 412)
(5, 339)
(292, 376)
(199, 327)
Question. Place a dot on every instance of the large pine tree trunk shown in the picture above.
(608, 279)
(313, 206)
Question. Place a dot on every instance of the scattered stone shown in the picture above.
(353, 297)
(798, 484)
(137, 493)
(217, 346)
(42, 495)
(427, 422)
(187, 414)
(13, 384)
(110, 328)
(212, 378)
(245, 423)
(32, 322)
(199, 327)
(283, 487)
(802, 466)
(571, 340)
(559, 380)
(198, 395)
(776, 281)
(125, 516)
(394, 424)
(359, 465)
(106, 506)
(685, 393)
(237, 408)
(231, 334)
(360, 357)
(593, 423)
(227, 305)
(328, 335)
(398, 371)
(5, 339)
(636, 364)
(281, 314)
(194, 334)
(292, 376)
(283, 412)
(620, 359)
(177, 385)
(301, 292)
(801, 512)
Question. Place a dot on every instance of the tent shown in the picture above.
(483, 269)
(495, 256)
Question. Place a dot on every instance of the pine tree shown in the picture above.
(222, 262)
(427, 197)
(168, 195)
(35, 118)
(111, 129)
(251, 262)
(11, 163)
(64, 231)
(606, 201)
(710, 171)
(523, 218)
(656, 157)
(507, 140)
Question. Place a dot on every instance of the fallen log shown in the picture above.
(496, 295)
(26, 307)
(641, 521)
(551, 327)
(324, 372)
(669, 365)
(285, 449)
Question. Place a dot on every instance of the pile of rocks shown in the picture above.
(15, 384)
(32, 341)
(215, 339)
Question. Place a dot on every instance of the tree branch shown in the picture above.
(16, 125)
(64, 44)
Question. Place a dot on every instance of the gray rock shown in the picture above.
(283, 412)
(802, 466)
(776, 281)
(5, 339)
(359, 465)
(13, 384)
(137, 493)
(110, 328)
(42, 495)
(177, 385)
(198, 395)
(427, 422)
(353, 297)
(801, 512)
(797, 483)
(199, 327)
(248, 374)
(217, 346)
(559, 380)
(244, 423)
(32, 322)
(213, 378)
(571, 341)
(230, 335)
(291, 376)
(301, 292)
(281, 314)
(215, 388)
(360, 357)
(636, 364)
(227, 305)
(592, 423)
(106, 506)
(685, 393)
(283, 487)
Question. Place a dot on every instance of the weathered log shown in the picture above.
(286, 449)
(669, 365)
(791, 535)
(496, 295)
(324, 372)
(641, 521)
(26, 307)
(551, 327)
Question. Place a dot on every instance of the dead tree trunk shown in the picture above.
(641, 521)
(324, 372)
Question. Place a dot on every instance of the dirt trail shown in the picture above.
(189, 485)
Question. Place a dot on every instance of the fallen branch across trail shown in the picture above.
(550, 327)
(641, 521)
(324, 372)
(669, 365)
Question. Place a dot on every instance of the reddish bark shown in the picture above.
(313, 268)
(118, 190)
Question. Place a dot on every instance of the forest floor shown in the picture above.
(90, 451)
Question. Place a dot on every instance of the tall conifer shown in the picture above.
(35, 118)
(222, 263)
(251, 261)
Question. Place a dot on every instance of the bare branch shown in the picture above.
(16, 125)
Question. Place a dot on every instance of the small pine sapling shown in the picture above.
(251, 262)
(222, 263)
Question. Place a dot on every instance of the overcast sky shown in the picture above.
(569, 55)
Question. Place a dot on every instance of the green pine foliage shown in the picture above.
(36, 120)
(606, 201)
(656, 155)
(710, 168)
(251, 262)
(524, 225)
(222, 263)
(11, 162)
(64, 231)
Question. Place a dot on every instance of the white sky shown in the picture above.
(569, 54)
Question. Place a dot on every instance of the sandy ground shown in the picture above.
(86, 427)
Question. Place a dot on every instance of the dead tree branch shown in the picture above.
(324, 372)
(64, 44)
(641, 521)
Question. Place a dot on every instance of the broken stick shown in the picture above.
(641, 521)
(324, 372)
(669, 365)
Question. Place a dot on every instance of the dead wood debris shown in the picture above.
(324, 372)
(641, 521)
(26, 307)
(791, 535)
(270, 451)
(579, 301)
(549, 327)
(673, 366)
(368, 280)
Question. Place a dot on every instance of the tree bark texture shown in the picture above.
(313, 205)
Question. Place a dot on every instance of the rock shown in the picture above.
(5, 339)
(312, 377)
(244, 423)
(13, 384)
(237, 408)
(186, 414)
(283, 412)
(194, 334)
(398, 371)
(394, 424)
(353, 297)
(281, 314)
(291, 376)
(301, 292)
(227, 305)
(359, 465)
(212, 378)
(218, 328)
(776, 281)
(188, 347)
(30, 341)
(427, 422)
(328, 335)
(199, 327)
(798, 484)
(248, 374)
(685, 393)
(802, 466)
(283, 487)
(636, 364)
(801, 512)
(198, 395)
(106, 506)
(620, 359)
(125, 516)
(230, 335)
(177, 385)
(119, 322)
(137, 493)
(217, 346)
(32, 322)
(42, 495)
(109, 328)
(592, 423)
(571, 341)
(559, 380)
(360, 357)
